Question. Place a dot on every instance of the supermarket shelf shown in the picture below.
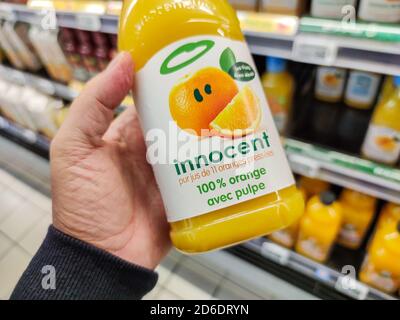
(30, 139)
(344, 170)
(42, 84)
(363, 46)
(335, 284)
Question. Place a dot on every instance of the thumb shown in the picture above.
(93, 111)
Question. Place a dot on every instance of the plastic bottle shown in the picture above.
(312, 187)
(69, 44)
(381, 267)
(358, 213)
(287, 237)
(279, 88)
(380, 10)
(319, 227)
(193, 55)
(330, 84)
(382, 142)
(387, 89)
(330, 8)
(389, 214)
(293, 7)
(86, 50)
(102, 49)
(362, 88)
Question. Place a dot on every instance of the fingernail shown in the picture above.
(117, 59)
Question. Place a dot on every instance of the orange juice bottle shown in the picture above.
(312, 187)
(382, 142)
(278, 85)
(287, 237)
(389, 214)
(319, 227)
(222, 171)
(381, 267)
(358, 213)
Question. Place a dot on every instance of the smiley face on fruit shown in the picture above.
(210, 100)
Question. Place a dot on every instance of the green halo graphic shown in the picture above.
(189, 47)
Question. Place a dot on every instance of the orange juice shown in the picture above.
(312, 187)
(319, 227)
(382, 142)
(287, 237)
(389, 214)
(381, 267)
(278, 85)
(358, 213)
(222, 171)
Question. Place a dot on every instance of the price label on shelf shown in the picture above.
(90, 22)
(7, 13)
(45, 86)
(315, 50)
(275, 253)
(29, 136)
(304, 166)
(351, 287)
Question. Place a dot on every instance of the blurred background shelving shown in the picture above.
(317, 143)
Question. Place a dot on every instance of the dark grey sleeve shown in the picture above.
(69, 269)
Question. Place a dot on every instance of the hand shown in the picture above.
(104, 191)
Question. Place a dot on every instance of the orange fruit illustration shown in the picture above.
(241, 117)
(330, 80)
(386, 143)
(199, 99)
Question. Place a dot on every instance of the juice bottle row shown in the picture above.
(64, 53)
(346, 220)
(31, 109)
(351, 92)
(366, 10)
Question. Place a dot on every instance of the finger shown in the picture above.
(92, 112)
(118, 130)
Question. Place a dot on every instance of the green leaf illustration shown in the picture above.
(227, 59)
(242, 71)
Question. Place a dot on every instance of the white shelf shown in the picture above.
(343, 283)
(344, 170)
(310, 40)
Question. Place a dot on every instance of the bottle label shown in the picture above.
(284, 237)
(279, 105)
(312, 248)
(350, 235)
(362, 87)
(383, 280)
(380, 10)
(210, 134)
(382, 144)
(330, 8)
(330, 82)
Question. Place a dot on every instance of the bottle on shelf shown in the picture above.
(387, 89)
(294, 7)
(358, 213)
(86, 50)
(382, 142)
(70, 47)
(102, 50)
(330, 84)
(278, 86)
(287, 237)
(202, 55)
(319, 227)
(312, 187)
(381, 266)
(330, 8)
(362, 88)
(389, 214)
(380, 10)
(246, 5)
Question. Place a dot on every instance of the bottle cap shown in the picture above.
(396, 81)
(275, 64)
(327, 198)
